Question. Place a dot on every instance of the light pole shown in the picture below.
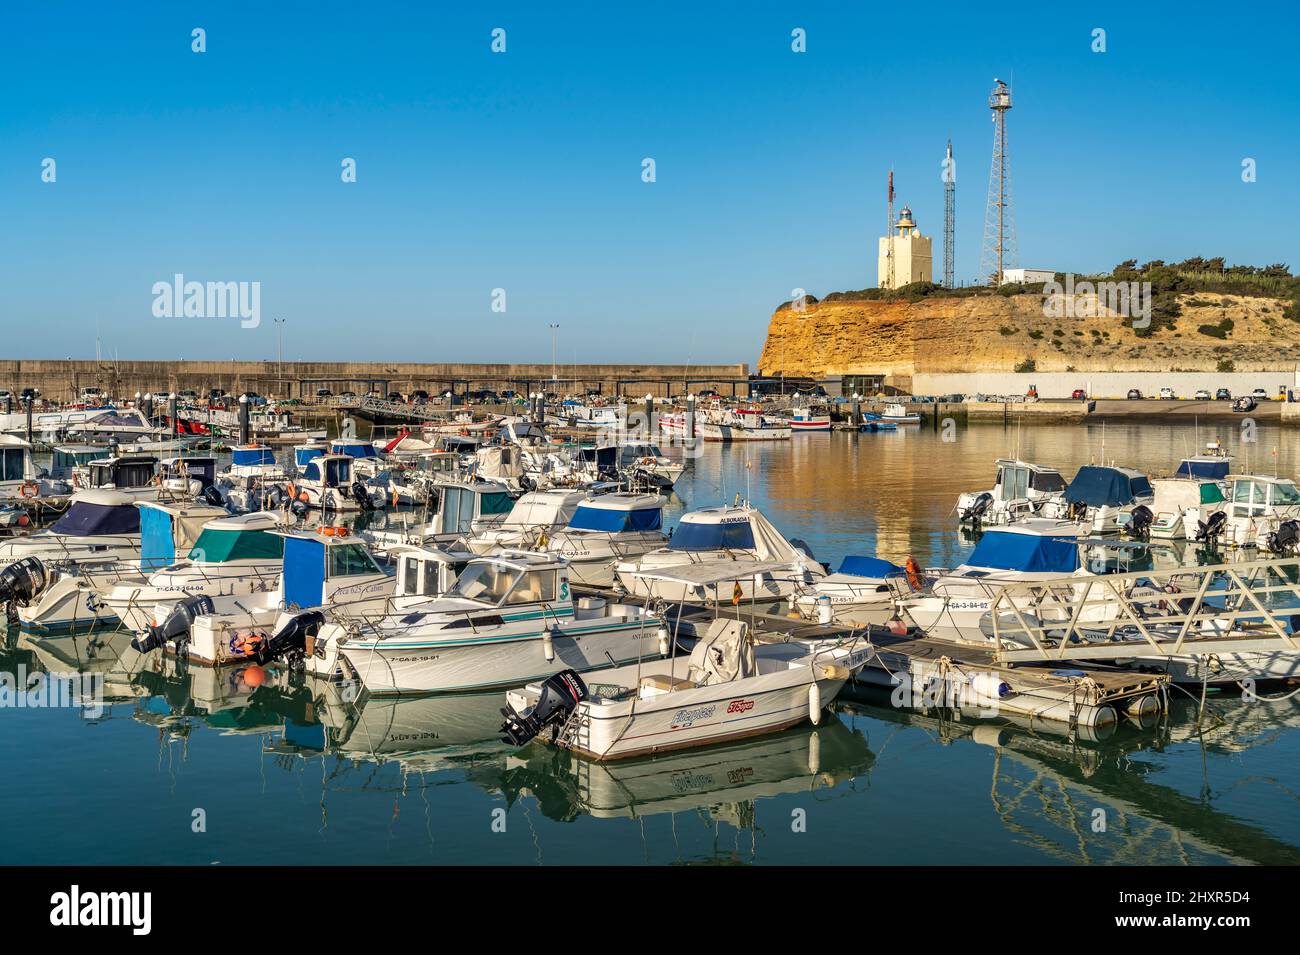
(554, 328)
(279, 349)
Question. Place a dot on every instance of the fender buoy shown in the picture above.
(29, 489)
(914, 574)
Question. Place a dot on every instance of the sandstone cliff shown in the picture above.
(999, 333)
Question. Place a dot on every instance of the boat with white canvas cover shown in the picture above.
(510, 618)
(1183, 507)
(74, 600)
(534, 517)
(1020, 490)
(729, 689)
(711, 535)
(606, 529)
(231, 555)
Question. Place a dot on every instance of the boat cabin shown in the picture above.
(16, 466)
(253, 457)
(331, 566)
(303, 453)
(177, 470)
(354, 447)
(123, 472)
(714, 528)
(1020, 480)
(96, 513)
(168, 530)
(329, 470)
(246, 537)
(425, 571)
(67, 459)
(514, 578)
(462, 505)
(1261, 495)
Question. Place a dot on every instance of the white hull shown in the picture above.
(401, 665)
(727, 432)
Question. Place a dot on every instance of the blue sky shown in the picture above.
(522, 170)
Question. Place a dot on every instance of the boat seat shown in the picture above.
(666, 684)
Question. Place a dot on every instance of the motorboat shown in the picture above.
(860, 582)
(806, 420)
(327, 483)
(252, 472)
(135, 475)
(99, 526)
(956, 604)
(230, 556)
(740, 424)
(71, 597)
(509, 618)
(534, 516)
(1102, 498)
(326, 573)
(306, 452)
(189, 476)
(1259, 508)
(19, 475)
(606, 529)
(735, 533)
(895, 412)
(650, 467)
(1020, 490)
(729, 688)
(1184, 507)
(367, 461)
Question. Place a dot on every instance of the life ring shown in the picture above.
(913, 569)
(30, 489)
(332, 530)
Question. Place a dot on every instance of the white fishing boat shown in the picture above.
(1020, 490)
(897, 413)
(740, 424)
(510, 618)
(534, 516)
(1184, 507)
(728, 689)
(19, 475)
(327, 483)
(711, 535)
(230, 556)
(606, 529)
(367, 460)
(253, 470)
(806, 420)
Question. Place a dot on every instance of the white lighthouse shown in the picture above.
(913, 258)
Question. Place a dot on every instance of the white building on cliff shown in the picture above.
(912, 255)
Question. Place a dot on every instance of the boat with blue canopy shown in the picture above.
(606, 529)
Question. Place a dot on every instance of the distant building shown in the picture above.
(1027, 276)
(912, 255)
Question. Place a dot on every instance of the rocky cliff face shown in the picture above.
(1002, 333)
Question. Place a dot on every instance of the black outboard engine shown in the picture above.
(275, 497)
(299, 508)
(20, 583)
(1285, 539)
(211, 495)
(177, 626)
(362, 496)
(978, 508)
(290, 643)
(560, 696)
(1210, 530)
(1139, 522)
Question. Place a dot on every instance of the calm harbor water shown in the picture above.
(284, 773)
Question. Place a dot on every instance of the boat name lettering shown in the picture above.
(740, 706)
(685, 718)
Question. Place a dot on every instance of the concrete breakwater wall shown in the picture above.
(1102, 384)
(61, 380)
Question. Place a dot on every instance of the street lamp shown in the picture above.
(554, 328)
(279, 349)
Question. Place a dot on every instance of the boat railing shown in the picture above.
(1243, 607)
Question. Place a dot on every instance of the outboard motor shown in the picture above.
(560, 696)
(1139, 522)
(1285, 539)
(1210, 530)
(290, 643)
(212, 495)
(177, 626)
(978, 508)
(299, 508)
(362, 496)
(1076, 511)
(20, 583)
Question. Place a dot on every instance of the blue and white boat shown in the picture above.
(859, 582)
(606, 529)
(1102, 497)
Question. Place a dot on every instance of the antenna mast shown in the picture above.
(949, 195)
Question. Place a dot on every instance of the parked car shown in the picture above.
(1202, 395)
(1079, 394)
(1223, 394)
(324, 393)
(1259, 394)
(1166, 394)
(1134, 394)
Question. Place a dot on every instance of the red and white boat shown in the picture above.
(805, 419)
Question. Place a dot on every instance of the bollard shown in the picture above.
(690, 417)
(245, 428)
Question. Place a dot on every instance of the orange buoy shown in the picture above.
(254, 676)
(914, 574)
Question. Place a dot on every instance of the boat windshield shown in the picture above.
(89, 520)
(1000, 550)
(486, 583)
(1284, 492)
(615, 521)
(729, 535)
